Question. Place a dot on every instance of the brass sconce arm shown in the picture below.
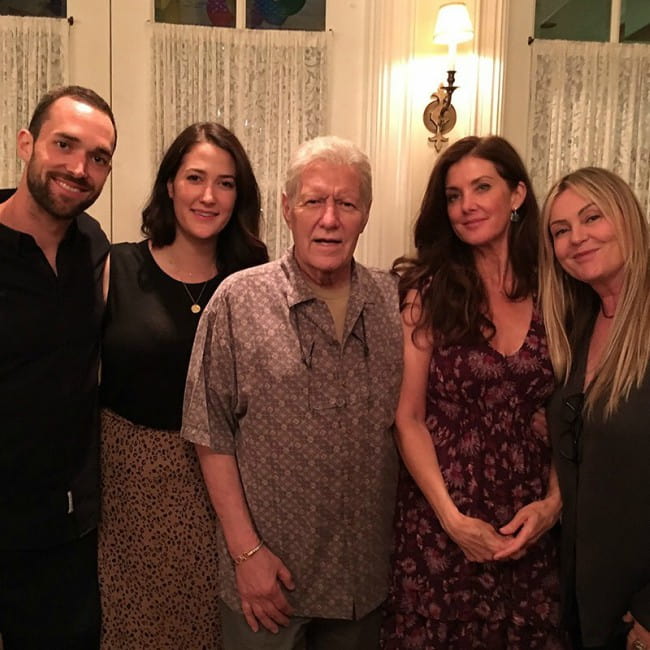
(453, 26)
(440, 115)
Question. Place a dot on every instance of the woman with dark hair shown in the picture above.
(157, 545)
(595, 292)
(475, 561)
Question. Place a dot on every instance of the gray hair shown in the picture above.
(335, 150)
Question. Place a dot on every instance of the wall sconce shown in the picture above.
(453, 26)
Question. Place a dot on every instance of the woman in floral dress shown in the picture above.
(475, 562)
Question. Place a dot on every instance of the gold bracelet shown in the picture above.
(248, 554)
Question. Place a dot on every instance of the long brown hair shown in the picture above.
(238, 244)
(452, 298)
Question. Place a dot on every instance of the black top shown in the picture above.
(606, 512)
(49, 355)
(148, 336)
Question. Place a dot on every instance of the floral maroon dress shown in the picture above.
(480, 406)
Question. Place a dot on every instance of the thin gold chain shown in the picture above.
(195, 307)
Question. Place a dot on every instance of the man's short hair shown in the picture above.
(81, 94)
(334, 150)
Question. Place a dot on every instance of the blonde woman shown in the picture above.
(595, 276)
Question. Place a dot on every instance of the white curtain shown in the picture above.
(33, 59)
(590, 105)
(267, 86)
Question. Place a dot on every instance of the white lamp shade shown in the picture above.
(453, 24)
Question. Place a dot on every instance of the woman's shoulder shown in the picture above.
(127, 247)
(128, 251)
(128, 258)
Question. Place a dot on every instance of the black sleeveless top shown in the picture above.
(148, 335)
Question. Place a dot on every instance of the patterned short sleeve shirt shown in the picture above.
(310, 422)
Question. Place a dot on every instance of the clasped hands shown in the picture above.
(259, 582)
(481, 542)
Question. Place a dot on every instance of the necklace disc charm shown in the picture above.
(195, 308)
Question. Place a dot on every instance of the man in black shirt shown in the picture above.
(52, 259)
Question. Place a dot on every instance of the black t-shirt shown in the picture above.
(50, 328)
(148, 335)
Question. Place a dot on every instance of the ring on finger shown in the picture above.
(639, 645)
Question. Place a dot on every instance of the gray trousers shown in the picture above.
(302, 633)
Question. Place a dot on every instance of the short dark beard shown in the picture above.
(43, 197)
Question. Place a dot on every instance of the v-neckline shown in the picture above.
(531, 324)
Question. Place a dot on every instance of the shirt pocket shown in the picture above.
(338, 378)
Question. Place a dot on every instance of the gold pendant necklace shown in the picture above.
(195, 308)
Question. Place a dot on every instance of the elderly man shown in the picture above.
(290, 400)
(51, 262)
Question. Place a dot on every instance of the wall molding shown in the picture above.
(388, 131)
(491, 29)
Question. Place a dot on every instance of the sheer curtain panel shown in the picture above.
(269, 87)
(590, 105)
(33, 59)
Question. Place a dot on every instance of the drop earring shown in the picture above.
(515, 217)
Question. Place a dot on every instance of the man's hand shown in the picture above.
(262, 575)
(259, 581)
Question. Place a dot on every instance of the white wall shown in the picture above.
(110, 53)
(348, 23)
(132, 66)
(521, 25)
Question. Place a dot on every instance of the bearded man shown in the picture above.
(52, 258)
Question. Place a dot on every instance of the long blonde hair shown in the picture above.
(565, 300)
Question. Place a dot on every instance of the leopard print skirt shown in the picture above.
(157, 542)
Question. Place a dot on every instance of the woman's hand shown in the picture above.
(638, 638)
(528, 525)
(539, 424)
(537, 517)
(478, 540)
